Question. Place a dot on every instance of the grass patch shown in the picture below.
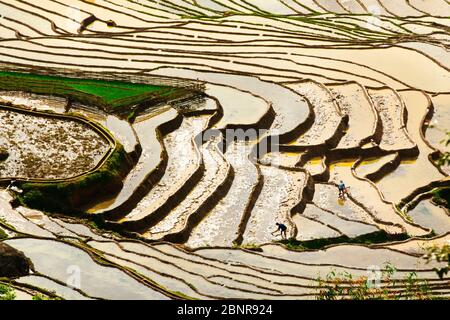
(249, 246)
(105, 94)
(441, 196)
(40, 297)
(6, 292)
(3, 234)
(381, 285)
(370, 238)
(64, 196)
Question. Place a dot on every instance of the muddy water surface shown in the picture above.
(56, 259)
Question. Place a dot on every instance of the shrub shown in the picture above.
(58, 197)
(40, 297)
(344, 286)
(444, 160)
(442, 197)
(6, 292)
(439, 254)
(3, 234)
(370, 238)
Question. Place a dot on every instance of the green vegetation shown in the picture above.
(64, 196)
(444, 160)
(6, 292)
(249, 246)
(3, 234)
(3, 154)
(104, 94)
(6, 226)
(439, 254)
(370, 238)
(340, 286)
(441, 196)
(40, 297)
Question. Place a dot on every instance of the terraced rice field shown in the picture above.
(108, 94)
(296, 96)
(47, 147)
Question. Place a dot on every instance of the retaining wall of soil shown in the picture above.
(153, 178)
(196, 217)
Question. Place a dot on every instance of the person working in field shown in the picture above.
(342, 190)
(282, 228)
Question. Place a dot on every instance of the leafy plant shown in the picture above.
(444, 160)
(40, 297)
(343, 285)
(3, 234)
(6, 292)
(370, 238)
(441, 196)
(439, 254)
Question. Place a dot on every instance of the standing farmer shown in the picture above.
(342, 190)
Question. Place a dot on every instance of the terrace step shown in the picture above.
(124, 132)
(16, 220)
(184, 170)
(150, 130)
(392, 113)
(309, 229)
(429, 215)
(326, 199)
(367, 195)
(283, 191)
(412, 177)
(292, 113)
(59, 289)
(210, 280)
(363, 124)
(377, 167)
(433, 128)
(168, 261)
(45, 146)
(54, 259)
(222, 224)
(213, 186)
(273, 273)
(317, 166)
(417, 247)
(309, 264)
(347, 227)
(240, 109)
(329, 123)
(43, 221)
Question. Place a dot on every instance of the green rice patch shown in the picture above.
(109, 94)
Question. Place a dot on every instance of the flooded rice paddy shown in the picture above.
(352, 91)
(47, 147)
